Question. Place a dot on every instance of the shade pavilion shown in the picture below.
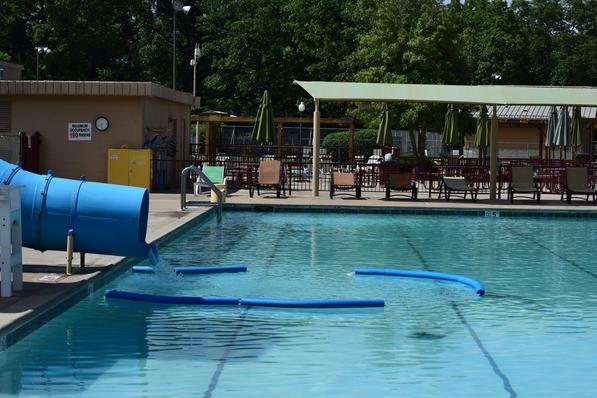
(449, 94)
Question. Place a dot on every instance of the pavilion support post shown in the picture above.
(279, 141)
(316, 142)
(493, 161)
(351, 143)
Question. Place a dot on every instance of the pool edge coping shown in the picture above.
(413, 210)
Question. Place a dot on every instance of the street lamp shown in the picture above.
(194, 62)
(176, 6)
(39, 50)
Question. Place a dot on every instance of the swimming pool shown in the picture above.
(533, 334)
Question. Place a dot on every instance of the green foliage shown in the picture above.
(252, 45)
(4, 56)
(363, 138)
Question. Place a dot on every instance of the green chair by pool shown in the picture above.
(215, 174)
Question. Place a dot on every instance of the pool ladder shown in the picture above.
(183, 189)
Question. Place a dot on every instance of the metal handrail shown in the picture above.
(183, 189)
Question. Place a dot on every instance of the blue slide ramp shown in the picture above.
(105, 218)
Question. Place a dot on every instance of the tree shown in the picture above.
(494, 42)
(577, 46)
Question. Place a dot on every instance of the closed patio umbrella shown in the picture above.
(552, 124)
(563, 128)
(384, 133)
(576, 139)
(450, 133)
(550, 134)
(482, 136)
(263, 130)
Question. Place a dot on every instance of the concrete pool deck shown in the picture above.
(44, 280)
(46, 285)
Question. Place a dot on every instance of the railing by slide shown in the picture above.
(183, 189)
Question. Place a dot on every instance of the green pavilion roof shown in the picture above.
(498, 95)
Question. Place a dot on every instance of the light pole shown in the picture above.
(194, 62)
(176, 6)
(40, 49)
(301, 109)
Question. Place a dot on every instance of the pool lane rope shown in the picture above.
(476, 285)
(248, 302)
(194, 270)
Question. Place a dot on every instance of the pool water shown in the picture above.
(533, 334)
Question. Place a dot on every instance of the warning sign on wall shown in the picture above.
(79, 131)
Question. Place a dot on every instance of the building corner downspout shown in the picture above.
(316, 142)
(493, 161)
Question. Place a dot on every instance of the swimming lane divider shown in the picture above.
(478, 286)
(253, 302)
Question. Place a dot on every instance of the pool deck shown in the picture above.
(46, 285)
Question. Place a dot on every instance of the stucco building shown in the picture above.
(80, 120)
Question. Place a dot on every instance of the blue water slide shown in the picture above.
(105, 218)
(476, 285)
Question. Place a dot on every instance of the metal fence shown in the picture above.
(241, 164)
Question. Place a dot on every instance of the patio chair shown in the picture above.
(457, 185)
(269, 177)
(215, 174)
(344, 182)
(522, 182)
(577, 183)
(400, 182)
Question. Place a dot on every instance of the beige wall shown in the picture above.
(519, 137)
(159, 114)
(50, 116)
(131, 119)
(512, 137)
(170, 119)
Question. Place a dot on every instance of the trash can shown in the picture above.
(214, 197)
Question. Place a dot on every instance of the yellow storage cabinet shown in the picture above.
(130, 167)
